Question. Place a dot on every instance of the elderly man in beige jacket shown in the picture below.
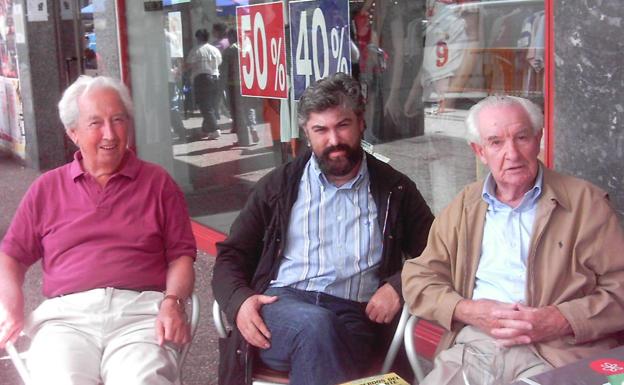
(527, 262)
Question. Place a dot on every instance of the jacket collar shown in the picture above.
(553, 189)
(380, 171)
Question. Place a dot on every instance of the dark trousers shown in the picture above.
(320, 339)
(174, 112)
(206, 96)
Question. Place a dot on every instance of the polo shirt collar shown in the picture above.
(129, 166)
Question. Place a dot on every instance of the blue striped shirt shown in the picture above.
(334, 241)
(502, 272)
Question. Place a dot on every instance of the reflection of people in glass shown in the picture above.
(204, 61)
(174, 75)
(221, 41)
(243, 118)
(449, 54)
(381, 36)
(90, 58)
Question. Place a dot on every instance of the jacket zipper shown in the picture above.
(383, 231)
(532, 256)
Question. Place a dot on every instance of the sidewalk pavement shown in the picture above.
(202, 361)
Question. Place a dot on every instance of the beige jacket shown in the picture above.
(576, 262)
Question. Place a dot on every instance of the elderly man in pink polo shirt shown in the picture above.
(114, 237)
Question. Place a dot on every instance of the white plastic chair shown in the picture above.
(18, 358)
(280, 378)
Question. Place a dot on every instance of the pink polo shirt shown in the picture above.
(123, 235)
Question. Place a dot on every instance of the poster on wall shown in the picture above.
(8, 52)
(37, 10)
(67, 10)
(11, 117)
(262, 54)
(320, 41)
(12, 136)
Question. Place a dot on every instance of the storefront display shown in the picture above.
(12, 136)
(421, 63)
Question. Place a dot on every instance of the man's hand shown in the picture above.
(511, 323)
(383, 305)
(492, 317)
(11, 299)
(547, 323)
(171, 325)
(250, 322)
(11, 319)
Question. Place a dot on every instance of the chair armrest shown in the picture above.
(194, 322)
(397, 339)
(18, 363)
(217, 317)
(412, 356)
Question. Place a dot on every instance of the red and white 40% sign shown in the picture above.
(262, 54)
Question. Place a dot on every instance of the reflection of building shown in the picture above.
(585, 136)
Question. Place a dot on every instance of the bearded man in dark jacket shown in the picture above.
(312, 264)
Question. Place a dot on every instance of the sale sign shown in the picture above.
(319, 40)
(262, 54)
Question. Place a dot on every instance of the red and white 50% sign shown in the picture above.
(262, 54)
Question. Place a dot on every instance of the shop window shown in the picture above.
(422, 65)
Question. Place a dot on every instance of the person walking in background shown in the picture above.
(204, 61)
(243, 116)
(221, 41)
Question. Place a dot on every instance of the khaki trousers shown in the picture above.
(519, 361)
(99, 336)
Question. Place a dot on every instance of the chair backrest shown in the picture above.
(421, 339)
(194, 321)
(265, 376)
(410, 348)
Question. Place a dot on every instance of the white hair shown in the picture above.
(534, 112)
(68, 106)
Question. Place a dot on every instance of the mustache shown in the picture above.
(338, 147)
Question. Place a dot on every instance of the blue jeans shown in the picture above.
(320, 339)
